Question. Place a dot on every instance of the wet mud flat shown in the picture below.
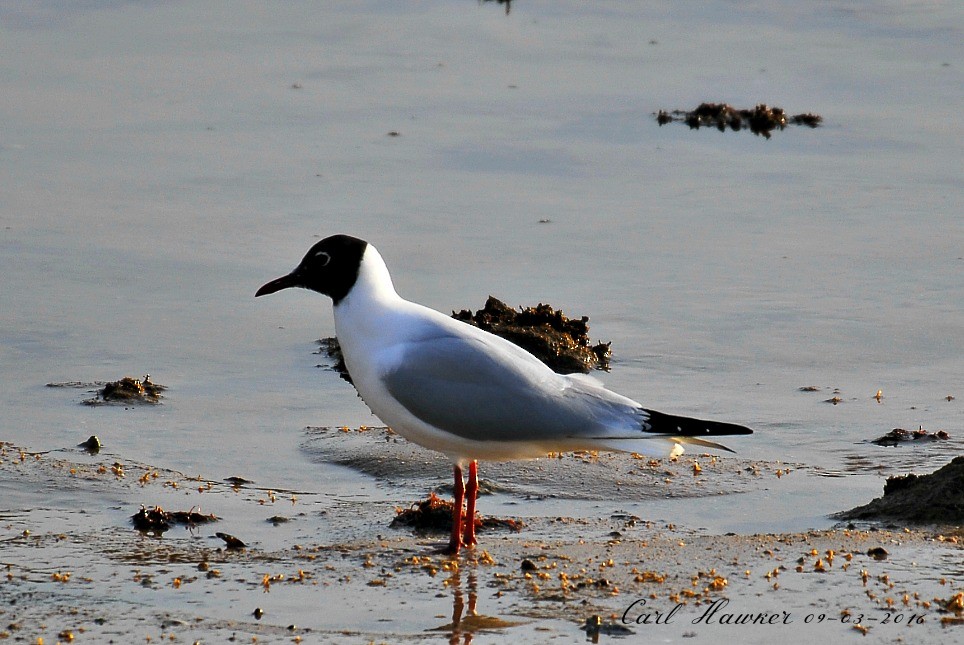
(326, 567)
(386, 456)
(934, 497)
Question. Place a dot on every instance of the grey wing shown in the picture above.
(484, 390)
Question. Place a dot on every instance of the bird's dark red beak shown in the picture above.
(284, 282)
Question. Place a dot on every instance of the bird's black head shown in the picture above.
(330, 267)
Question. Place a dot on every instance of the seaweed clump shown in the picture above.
(434, 515)
(936, 498)
(156, 520)
(899, 435)
(92, 446)
(761, 120)
(561, 343)
(128, 390)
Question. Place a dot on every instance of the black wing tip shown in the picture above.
(660, 423)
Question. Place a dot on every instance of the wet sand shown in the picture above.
(326, 568)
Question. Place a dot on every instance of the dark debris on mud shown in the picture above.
(561, 343)
(128, 390)
(92, 446)
(936, 498)
(156, 520)
(899, 435)
(761, 120)
(434, 515)
(231, 542)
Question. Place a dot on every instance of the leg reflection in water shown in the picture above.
(466, 621)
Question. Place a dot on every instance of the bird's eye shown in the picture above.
(323, 258)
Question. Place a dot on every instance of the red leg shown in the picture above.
(471, 492)
(455, 541)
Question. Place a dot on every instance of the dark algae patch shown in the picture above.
(92, 445)
(434, 515)
(230, 541)
(899, 435)
(937, 498)
(128, 390)
(761, 120)
(156, 520)
(560, 342)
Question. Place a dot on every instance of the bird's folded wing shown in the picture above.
(485, 390)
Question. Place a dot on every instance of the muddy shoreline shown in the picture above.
(75, 568)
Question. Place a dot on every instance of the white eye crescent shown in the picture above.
(323, 258)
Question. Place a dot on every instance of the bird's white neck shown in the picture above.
(372, 291)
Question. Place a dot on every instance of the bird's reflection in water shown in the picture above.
(466, 620)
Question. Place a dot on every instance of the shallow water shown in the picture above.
(160, 162)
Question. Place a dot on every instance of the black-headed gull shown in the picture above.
(453, 388)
